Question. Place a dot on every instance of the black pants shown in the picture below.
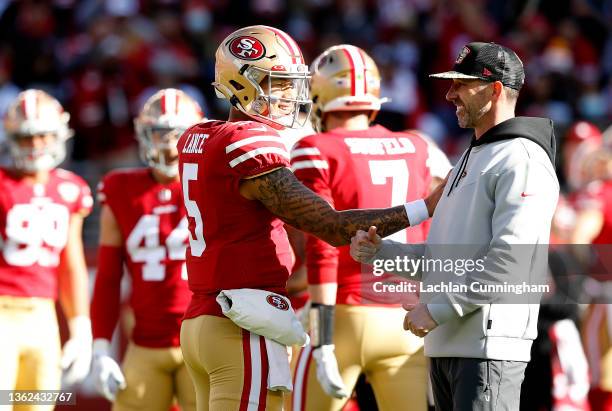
(470, 384)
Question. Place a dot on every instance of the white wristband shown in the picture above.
(417, 212)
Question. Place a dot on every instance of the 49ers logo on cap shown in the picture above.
(278, 302)
(466, 50)
(247, 48)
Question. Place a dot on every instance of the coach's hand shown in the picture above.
(76, 353)
(107, 375)
(418, 320)
(364, 246)
(327, 371)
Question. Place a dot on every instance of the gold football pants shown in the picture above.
(154, 377)
(369, 340)
(29, 347)
(228, 365)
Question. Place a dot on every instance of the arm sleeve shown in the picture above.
(311, 168)
(525, 199)
(107, 292)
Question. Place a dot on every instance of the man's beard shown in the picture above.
(470, 116)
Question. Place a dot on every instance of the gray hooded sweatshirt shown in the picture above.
(496, 208)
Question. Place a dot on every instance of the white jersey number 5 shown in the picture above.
(197, 244)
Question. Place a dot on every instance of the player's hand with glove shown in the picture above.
(107, 376)
(76, 353)
(322, 326)
(327, 371)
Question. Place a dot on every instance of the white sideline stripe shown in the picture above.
(298, 390)
(253, 139)
(320, 164)
(257, 151)
(255, 372)
(307, 151)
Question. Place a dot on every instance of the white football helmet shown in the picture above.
(168, 113)
(32, 113)
(253, 54)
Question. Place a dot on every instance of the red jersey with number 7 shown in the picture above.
(234, 242)
(152, 221)
(373, 168)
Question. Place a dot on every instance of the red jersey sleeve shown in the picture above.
(254, 149)
(76, 192)
(101, 192)
(310, 167)
(85, 201)
(109, 191)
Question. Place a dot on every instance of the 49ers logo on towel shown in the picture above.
(247, 48)
(278, 302)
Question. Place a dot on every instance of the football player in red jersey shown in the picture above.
(238, 190)
(353, 165)
(143, 225)
(41, 251)
(594, 226)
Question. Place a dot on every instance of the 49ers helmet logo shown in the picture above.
(247, 48)
(278, 302)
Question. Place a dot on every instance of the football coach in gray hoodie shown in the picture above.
(499, 200)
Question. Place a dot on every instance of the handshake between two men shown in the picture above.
(365, 247)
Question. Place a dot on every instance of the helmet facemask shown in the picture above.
(30, 159)
(158, 148)
(36, 128)
(163, 119)
(281, 97)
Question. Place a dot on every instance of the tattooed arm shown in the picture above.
(286, 197)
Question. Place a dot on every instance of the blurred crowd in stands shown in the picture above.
(103, 58)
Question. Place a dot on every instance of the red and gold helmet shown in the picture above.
(582, 131)
(344, 78)
(581, 139)
(249, 62)
(34, 112)
(166, 114)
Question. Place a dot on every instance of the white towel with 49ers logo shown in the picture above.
(264, 313)
(270, 315)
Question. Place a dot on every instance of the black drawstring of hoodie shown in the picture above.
(462, 167)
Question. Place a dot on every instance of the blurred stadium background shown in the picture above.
(103, 58)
